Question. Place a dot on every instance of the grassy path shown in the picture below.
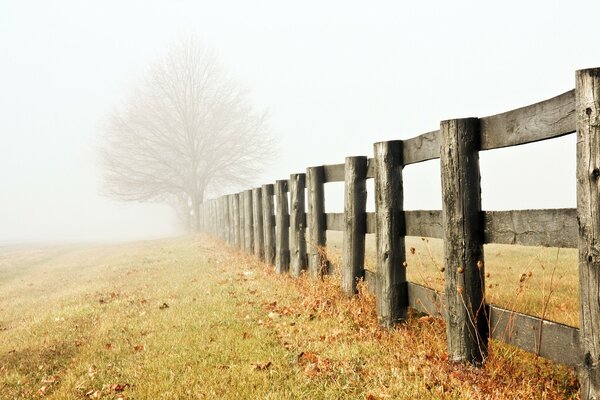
(183, 319)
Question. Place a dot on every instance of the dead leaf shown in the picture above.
(119, 387)
(93, 394)
(261, 367)
(108, 346)
(92, 371)
(246, 335)
(138, 347)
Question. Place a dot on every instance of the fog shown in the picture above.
(335, 77)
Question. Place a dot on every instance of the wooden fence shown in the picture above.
(289, 233)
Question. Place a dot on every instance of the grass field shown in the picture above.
(187, 318)
(538, 281)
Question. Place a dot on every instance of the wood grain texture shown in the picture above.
(248, 223)
(355, 223)
(371, 223)
(463, 240)
(236, 221)
(282, 230)
(588, 215)
(334, 221)
(268, 211)
(427, 300)
(551, 340)
(257, 218)
(421, 148)
(297, 225)
(544, 120)
(242, 224)
(424, 223)
(548, 228)
(391, 290)
(317, 223)
(334, 172)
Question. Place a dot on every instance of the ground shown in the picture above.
(191, 318)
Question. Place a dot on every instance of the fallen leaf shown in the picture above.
(138, 347)
(119, 387)
(261, 367)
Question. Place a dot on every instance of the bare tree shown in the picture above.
(187, 130)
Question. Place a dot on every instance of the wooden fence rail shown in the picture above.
(274, 223)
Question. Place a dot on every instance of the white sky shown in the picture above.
(335, 76)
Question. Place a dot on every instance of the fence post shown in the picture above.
(259, 243)
(220, 218)
(226, 217)
(317, 236)
(297, 224)
(467, 326)
(587, 108)
(248, 223)
(230, 220)
(242, 227)
(355, 223)
(282, 249)
(235, 201)
(268, 223)
(391, 288)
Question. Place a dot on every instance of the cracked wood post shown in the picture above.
(248, 223)
(391, 289)
(587, 108)
(224, 228)
(355, 223)
(297, 224)
(467, 326)
(242, 229)
(282, 249)
(257, 217)
(268, 223)
(231, 220)
(236, 220)
(317, 235)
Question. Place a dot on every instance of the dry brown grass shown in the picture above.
(91, 323)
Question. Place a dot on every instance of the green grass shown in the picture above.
(188, 318)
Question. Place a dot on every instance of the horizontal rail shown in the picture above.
(559, 342)
(336, 172)
(421, 148)
(547, 228)
(544, 120)
(334, 221)
(424, 223)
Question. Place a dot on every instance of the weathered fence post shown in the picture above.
(391, 287)
(355, 223)
(297, 224)
(315, 185)
(236, 220)
(268, 223)
(227, 219)
(587, 108)
(282, 249)
(467, 325)
(231, 217)
(242, 226)
(259, 243)
(248, 223)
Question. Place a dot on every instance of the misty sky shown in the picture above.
(335, 77)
